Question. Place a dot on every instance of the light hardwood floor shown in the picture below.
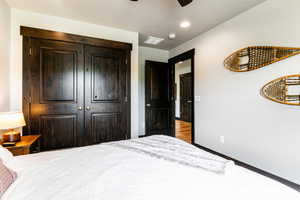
(184, 131)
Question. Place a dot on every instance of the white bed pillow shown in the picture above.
(5, 155)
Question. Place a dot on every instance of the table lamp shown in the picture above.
(9, 121)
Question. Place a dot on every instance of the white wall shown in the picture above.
(146, 53)
(30, 19)
(257, 131)
(4, 55)
(180, 68)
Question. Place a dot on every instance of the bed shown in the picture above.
(156, 167)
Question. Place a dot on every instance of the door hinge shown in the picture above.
(126, 99)
(30, 51)
(27, 99)
(126, 61)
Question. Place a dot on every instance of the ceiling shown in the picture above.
(148, 17)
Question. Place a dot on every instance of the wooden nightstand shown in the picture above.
(27, 145)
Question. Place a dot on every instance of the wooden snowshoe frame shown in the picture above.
(278, 90)
(255, 57)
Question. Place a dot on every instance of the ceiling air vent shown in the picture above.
(153, 40)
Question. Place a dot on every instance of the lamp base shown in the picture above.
(11, 136)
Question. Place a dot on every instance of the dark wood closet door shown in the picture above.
(186, 97)
(55, 108)
(106, 98)
(158, 98)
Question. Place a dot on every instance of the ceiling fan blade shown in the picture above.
(181, 2)
(184, 2)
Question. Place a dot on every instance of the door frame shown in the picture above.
(28, 33)
(172, 61)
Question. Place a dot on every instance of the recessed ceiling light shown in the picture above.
(153, 40)
(172, 36)
(185, 24)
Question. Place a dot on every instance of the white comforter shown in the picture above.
(106, 172)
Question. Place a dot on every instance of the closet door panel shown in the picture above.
(105, 95)
(106, 127)
(106, 79)
(59, 131)
(56, 72)
(58, 75)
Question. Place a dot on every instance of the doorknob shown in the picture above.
(148, 105)
(88, 108)
(79, 108)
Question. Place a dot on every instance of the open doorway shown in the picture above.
(183, 100)
(183, 106)
(163, 95)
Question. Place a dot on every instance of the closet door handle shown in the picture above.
(88, 108)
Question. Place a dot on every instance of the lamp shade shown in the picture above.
(11, 120)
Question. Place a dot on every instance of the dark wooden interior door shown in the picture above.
(55, 108)
(106, 95)
(186, 97)
(76, 89)
(158, 98)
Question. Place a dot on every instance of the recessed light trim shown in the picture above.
(185, 24)
(153, 40)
